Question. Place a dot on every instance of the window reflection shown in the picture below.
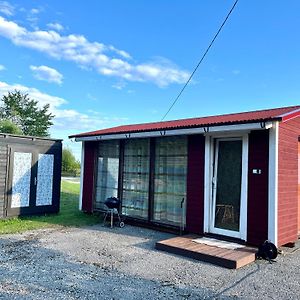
(170, 179)
(108, 172)
(136, 178)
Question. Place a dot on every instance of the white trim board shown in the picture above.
(208, 205)
(273, 184)
(81, 175)
(207, 181)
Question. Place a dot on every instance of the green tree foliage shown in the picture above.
(7, 126)
(26, 114)
(69, 162)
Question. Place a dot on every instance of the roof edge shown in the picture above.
(294, 112)
(179, 127)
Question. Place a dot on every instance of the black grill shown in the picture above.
(113, 205)
(112, 202)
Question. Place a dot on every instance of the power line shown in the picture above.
(202, 58)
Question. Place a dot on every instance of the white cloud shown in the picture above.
(34, 93)
(47, 74)
(55, 26)
(35, 11)
(6, 8)
(119, 85)
(91, 97)
(2, 68)
(236, 72)
(65, 119)
(105, 59)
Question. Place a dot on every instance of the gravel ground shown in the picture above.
(102, 263)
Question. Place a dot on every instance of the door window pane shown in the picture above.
(229, 174)
(108, 172)
(170, 180)
(136, 178)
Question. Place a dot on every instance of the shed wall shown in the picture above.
(39, 183)
(257, 221)
(289, 132)
(195, 184)
(90, 152)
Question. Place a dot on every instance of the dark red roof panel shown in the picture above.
(229, 119)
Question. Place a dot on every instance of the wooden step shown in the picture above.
(185, 246)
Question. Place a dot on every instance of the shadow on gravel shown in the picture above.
(29, 271)
(227, 289)
(149, 236)
(131, 230)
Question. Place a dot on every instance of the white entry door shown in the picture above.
(228, 203)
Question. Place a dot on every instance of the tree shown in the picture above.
(26, 114)
(7, 126)
(69, 162)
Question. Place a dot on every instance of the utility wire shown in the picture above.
(202, 58)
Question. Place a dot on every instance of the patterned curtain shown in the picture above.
(136, 178)
(108, 172)
(170, 179)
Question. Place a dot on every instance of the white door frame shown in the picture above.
(209, 200)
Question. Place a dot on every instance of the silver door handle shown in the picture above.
(35, 181)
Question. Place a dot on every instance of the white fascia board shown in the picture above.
(187, 131)
(273, 185)
(207, 183)
(81, 175)
(289, 113)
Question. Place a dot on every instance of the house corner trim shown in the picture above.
(273, 184)
(81, 175)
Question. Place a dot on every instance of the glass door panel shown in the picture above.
(170, 180)
(136, 178)
(228, 185)
(107, 173)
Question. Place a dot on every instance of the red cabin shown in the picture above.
(232, 175)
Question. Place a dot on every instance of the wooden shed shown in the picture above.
(230, 176)
(30, 175)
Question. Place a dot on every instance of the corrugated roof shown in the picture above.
(280, 114)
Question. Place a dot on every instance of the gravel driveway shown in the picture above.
(102, 263)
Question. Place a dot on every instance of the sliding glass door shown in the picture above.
(170, 180)
(152, 193)
(136, 178)
(108, 172)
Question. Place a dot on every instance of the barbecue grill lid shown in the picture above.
(112, 202)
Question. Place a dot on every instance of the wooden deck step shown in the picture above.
(185, 246)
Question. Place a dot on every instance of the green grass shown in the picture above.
(69, 214)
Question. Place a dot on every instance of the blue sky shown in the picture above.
(105, 63)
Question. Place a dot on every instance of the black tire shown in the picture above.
(121, 224)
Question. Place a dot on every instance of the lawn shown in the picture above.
(69, 214)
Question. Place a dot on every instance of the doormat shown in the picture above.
(218, 243)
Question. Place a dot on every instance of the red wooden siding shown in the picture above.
(298, 188)
(90, 151)
(257, 221)
(195, 184)
(288, 181)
